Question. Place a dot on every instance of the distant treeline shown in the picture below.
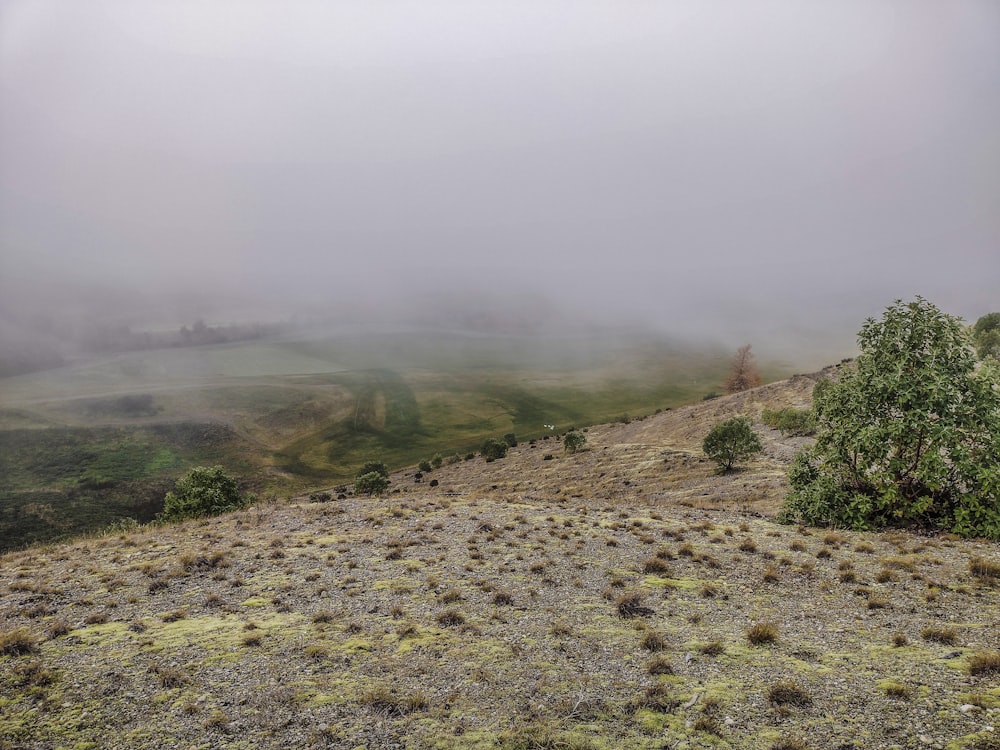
(121, 338)
(26, 352)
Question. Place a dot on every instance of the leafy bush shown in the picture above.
(372, 483)
(790, 421)
(378, 467)
(986, 336)
(425, 466)
(731, 441)
(511, 439)
(574, 441)
(437, 460)
(908, 436)
(203, 491)
(494, 449)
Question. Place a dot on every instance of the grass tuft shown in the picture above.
(985, 662)
(788, 693)
(762, 633)
(18, 642)
(945, 636)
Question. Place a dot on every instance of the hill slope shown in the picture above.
(595, 600)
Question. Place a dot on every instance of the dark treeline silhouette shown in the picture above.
(33, 350)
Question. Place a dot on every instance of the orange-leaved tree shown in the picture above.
(743, 373)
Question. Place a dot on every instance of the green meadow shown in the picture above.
(102, 440)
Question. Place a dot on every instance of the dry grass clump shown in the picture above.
(560, 628)
(630, 605)
(788, 693)
(897, 690)
(984, 569)
(174, 616)
(899, 640)
(450, 596)
(945, 636)
(789, 743)
(762, 633)
(655, 566)
(885, 576)
(384, 700)
(654, 641)
(170, 677)
(659, 665)
(451, 618)
(985, 662)
(848, 576)
(503, 598)
(18, 642)
(58, 628)
(712, 648)
(748, 545)
(658, 697)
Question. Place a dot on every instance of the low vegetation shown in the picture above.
(790, 421)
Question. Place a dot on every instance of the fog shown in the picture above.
(770, 172)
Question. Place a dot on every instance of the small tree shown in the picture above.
(986, 336)
(372, 483)
(511, 439)
(573, 441)
(731, 441)
(908, 436)
(425, 466)
(203, 491)
(494, 449)
(436, 460)
(743, 373)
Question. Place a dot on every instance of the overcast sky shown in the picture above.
(751, 165)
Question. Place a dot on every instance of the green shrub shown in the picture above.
(731, 441)
(425, 466)
(511, 439)
(790, 421)
(203, 491)
(494, 449)
(378, 467)
(437, 460)
(372, 483)
(573, 441)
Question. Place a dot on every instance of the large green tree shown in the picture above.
(909, 435)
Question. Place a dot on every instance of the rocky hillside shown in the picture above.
(622, 597)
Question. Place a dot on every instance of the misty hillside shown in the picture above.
(624, 596)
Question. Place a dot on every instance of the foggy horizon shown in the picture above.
(766, 172)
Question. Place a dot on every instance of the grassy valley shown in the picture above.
(89, 444)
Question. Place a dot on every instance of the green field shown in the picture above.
(82, 446)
